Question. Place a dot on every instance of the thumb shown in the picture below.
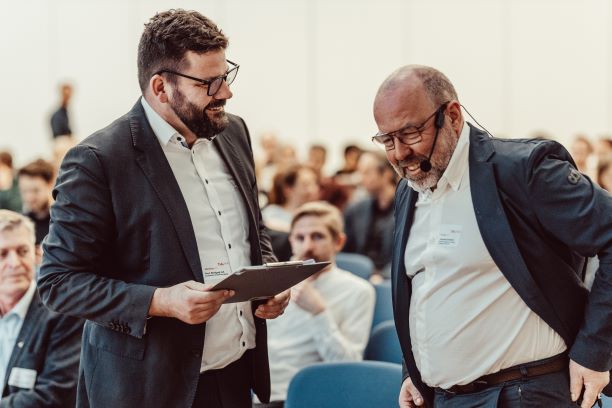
(416, 395)
(576, 383)
(197, 285)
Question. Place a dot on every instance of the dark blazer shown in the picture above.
(120, 228)
(538, 218)
(357, 220)
(50, 344)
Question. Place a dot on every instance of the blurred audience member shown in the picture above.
(293, 187)
(60, 124)
(9, 191)
(317, 155)
(347, 176)
(266, 162)
(369, 222)
(604, 172)
(330, 314)
(581, 150)
(39, 349)
(61, 145)
(36, 185)
(603, 147)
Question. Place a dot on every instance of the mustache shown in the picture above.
(215, 104)
(410, 161)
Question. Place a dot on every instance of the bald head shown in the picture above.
(436, 86)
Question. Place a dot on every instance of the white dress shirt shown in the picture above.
(466, 320)
(10, 326)
(220, 222)
(340, 333)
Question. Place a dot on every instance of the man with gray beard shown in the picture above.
(489, 245)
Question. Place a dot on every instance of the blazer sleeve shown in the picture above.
(578, 213)
(56, 383)
(80, 235)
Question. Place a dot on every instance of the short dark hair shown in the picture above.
(7, 159)
(38, 168)
(169, 35)
(285, 178)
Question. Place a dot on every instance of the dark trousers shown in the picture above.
(229, 387)
(549, 390)
(271, 404)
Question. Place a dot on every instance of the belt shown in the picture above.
(547, 366)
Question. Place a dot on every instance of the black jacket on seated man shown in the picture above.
(48, 345)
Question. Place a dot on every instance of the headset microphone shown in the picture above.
(425, 165)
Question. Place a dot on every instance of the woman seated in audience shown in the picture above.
(291, 188)
(604, 172)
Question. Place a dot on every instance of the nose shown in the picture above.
(401, 151)
(307, 244)
(12, 259)
(224, 92)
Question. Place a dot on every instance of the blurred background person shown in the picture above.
(267, 161)
(347, 175)
(604, 172)
(10, 198)
(292, 187)
(369, 221)
(60, 122)
(36, 181)
(39, 349)
(581, 150)
(330, 314)
(317, 156)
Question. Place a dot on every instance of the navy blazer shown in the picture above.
(48, 343)
(539, 219)
(120, 228)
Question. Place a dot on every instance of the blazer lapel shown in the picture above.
(151, 159)
(493, 223)
(32, 319)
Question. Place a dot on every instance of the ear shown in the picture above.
(455, 115)
(157, 88)
(340, 241)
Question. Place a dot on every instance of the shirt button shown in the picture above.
(243, 344)
(241, 313)
(219, 212)
(206, 180)
(229, 246)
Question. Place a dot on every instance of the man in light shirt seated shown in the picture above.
(39, 349)
(330, 314)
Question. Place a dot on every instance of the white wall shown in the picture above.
(310, 68)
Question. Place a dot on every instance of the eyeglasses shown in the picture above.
(213, 84)
(407, 135)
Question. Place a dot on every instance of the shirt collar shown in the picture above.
(459, 160)
(21, 308)
(164, 132)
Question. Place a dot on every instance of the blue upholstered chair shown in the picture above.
(357, 264)
(383, 309)
(384, 344)
(363, 384)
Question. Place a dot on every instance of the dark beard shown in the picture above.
(196, 119)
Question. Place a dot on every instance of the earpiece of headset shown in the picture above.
(439, 121)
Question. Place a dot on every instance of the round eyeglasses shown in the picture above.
(213, 84)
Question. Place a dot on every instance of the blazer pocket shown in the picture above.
(119, 344)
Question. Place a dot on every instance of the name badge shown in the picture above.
(216, 272)
(22, 378)
(449, 235)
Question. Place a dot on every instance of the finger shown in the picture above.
(590, 396)
(576, 383)
(199, 297)
(197, 285)
(416, 395)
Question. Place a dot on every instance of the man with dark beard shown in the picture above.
(152, 211)
(489, 245)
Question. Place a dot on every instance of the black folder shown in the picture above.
(266, 281)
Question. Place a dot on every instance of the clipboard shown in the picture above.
(266, 281)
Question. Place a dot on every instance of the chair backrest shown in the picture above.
(383, 309)
(384, 344)
(363, 384)
(607, 401)
(357, 264)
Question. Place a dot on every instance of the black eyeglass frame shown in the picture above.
(207, 82)
(407, 138)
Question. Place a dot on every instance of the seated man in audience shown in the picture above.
(39, 349)
(330, 314)
(9, 192)
(35, 185)
(369, 222)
